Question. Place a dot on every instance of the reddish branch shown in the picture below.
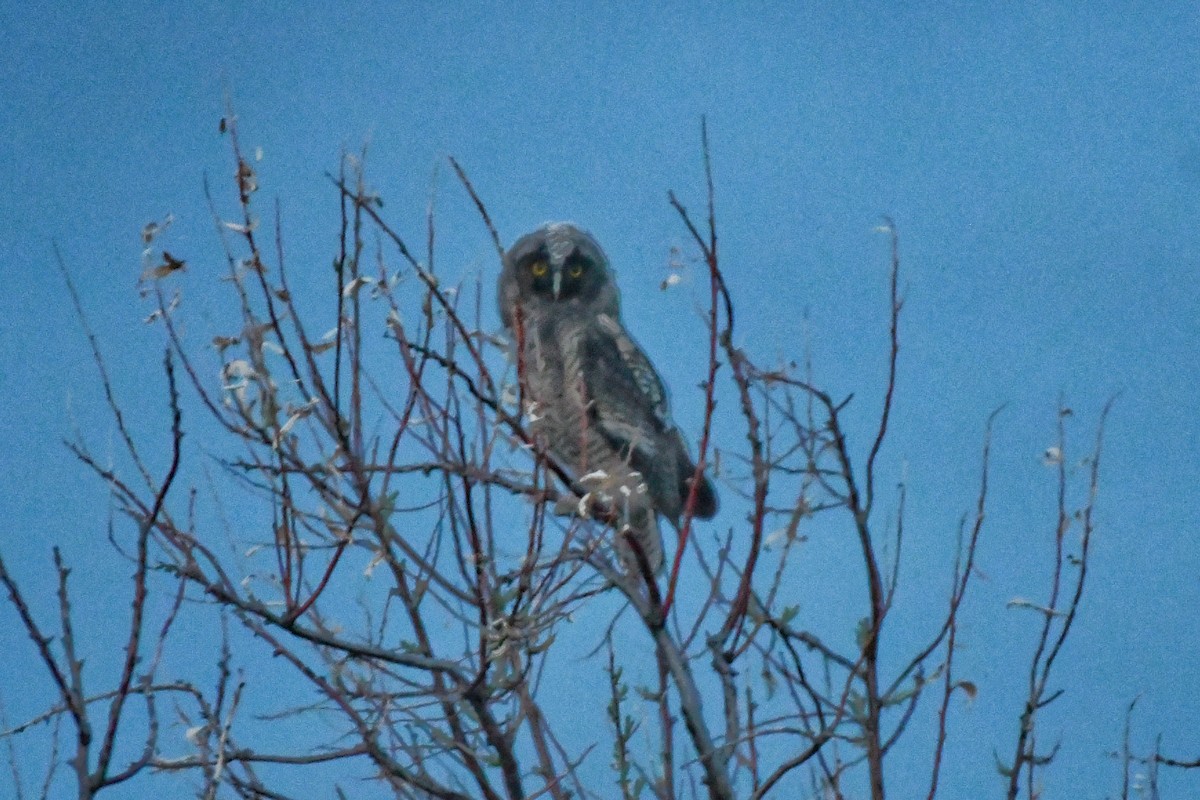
(439, 697)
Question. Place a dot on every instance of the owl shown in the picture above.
(593, 399)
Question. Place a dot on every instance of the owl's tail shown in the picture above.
(706, 497)
(640, 529)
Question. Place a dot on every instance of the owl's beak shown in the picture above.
(556, 281)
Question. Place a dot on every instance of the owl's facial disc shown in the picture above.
(563, 278)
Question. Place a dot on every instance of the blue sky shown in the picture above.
(1042, 164)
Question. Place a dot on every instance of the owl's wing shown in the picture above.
(627, 396)
(629, 404)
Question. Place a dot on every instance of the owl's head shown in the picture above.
(558, 267)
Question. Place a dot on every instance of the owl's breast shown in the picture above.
(559, 409)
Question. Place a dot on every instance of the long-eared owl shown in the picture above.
(594, 401)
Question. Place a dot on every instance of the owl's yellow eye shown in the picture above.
(575, 271)
(539, 269)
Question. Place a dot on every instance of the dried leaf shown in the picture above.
(353, 286)
(775, 538)
(247, 180)
(239, 368)
(153, 229)
(170, 264)
(1052, 456)
(237, 227)
(375, 561)
(862, 633)
(158, 313)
